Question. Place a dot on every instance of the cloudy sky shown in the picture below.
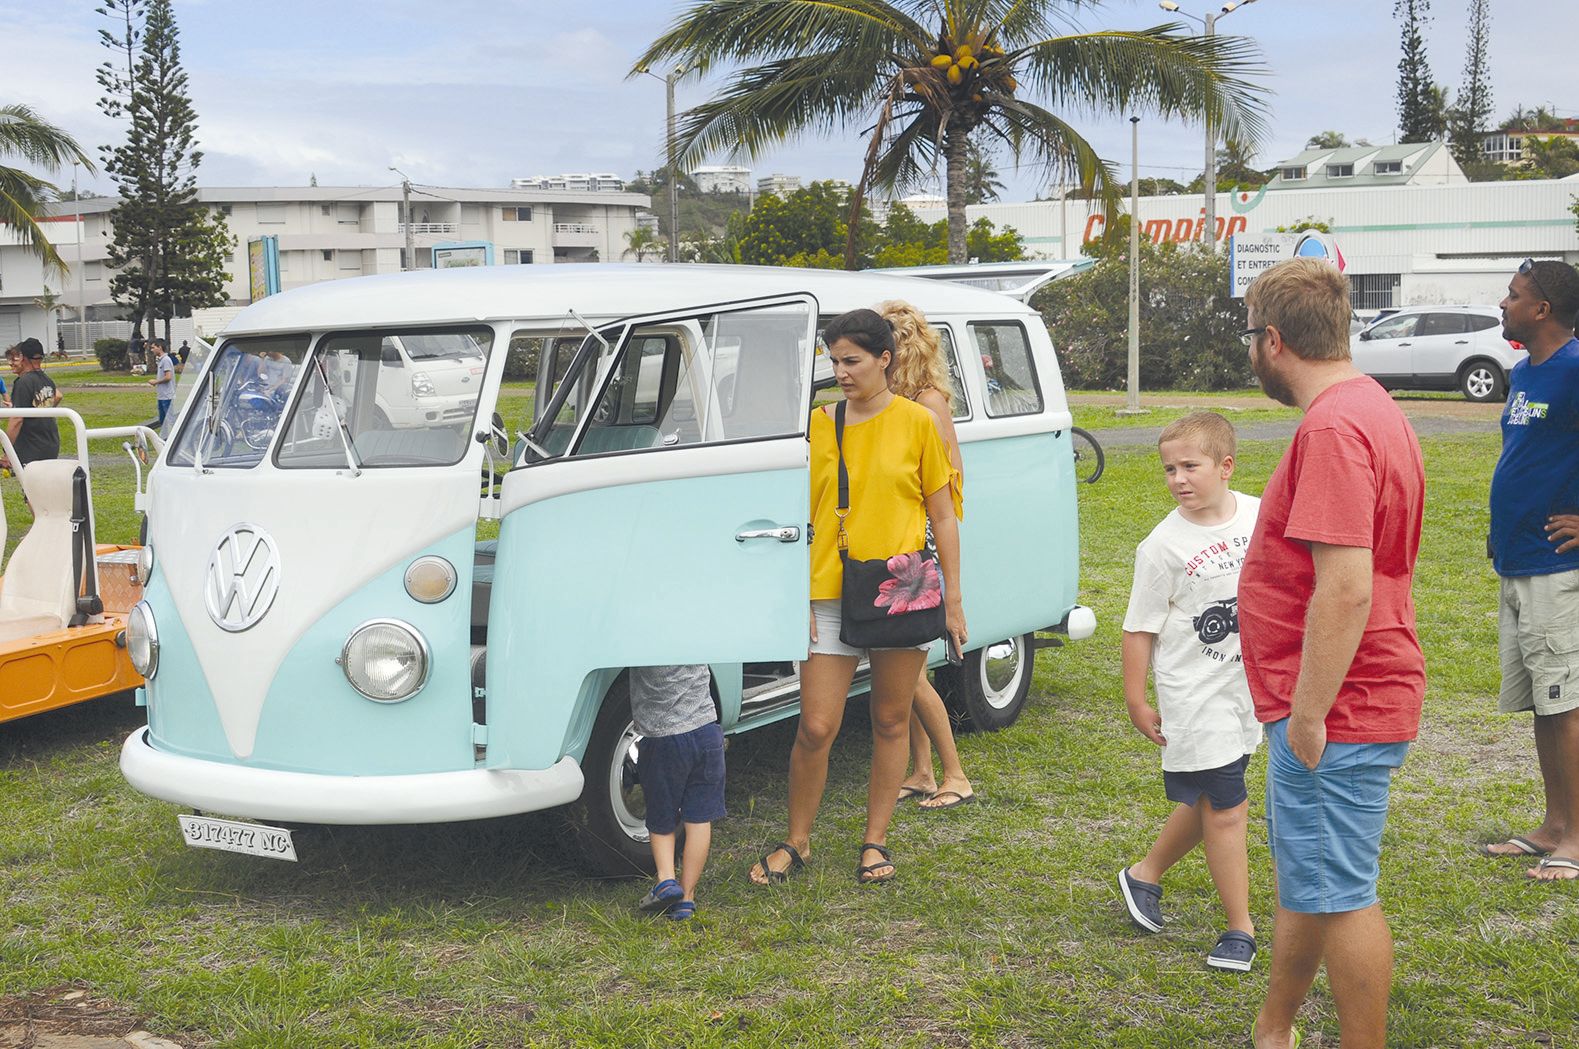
(471, 93)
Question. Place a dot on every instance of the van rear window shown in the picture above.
(1012, 387)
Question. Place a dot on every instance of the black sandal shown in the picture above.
(863, 872)
(796, 863)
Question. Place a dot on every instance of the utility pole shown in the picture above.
(405, 220)
(1132, 390)
(674, 174)
(82, 236)
(1209, 175)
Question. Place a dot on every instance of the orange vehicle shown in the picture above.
(64, 600)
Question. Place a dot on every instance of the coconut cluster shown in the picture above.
(975, 65)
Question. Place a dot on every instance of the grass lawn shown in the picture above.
(1004, 928)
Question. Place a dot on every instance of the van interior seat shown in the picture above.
(415, 446)
(38, 593)
(482, 580)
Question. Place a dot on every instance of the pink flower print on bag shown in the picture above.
(915, 585)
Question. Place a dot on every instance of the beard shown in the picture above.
(1271, 384)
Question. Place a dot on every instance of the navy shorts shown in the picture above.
(1225, 786)
(682, 778)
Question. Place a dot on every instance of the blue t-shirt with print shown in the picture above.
(1538, 473)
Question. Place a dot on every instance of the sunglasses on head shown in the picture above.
(1527, 269)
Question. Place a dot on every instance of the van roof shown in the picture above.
(604, 291)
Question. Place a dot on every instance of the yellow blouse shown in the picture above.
(895, 460)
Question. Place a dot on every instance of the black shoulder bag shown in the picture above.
(893, 602)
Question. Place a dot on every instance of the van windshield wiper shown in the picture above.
(339, 423)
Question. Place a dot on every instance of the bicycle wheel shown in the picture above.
(1088, 455)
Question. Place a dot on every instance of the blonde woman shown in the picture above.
(920, 373)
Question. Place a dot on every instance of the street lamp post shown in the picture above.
(674, 187)
(82, 235)
(1209, 173)
(1132, 384)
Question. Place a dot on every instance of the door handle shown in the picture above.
(786, 534)
(1460, 342)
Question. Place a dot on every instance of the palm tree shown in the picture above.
(641, 242)
(982, 183)
(922, 93)
(22, 194)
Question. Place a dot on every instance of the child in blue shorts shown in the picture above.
(682, 776)
(1183, 623)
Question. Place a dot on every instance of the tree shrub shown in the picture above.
(112, 355)
(1189, 326)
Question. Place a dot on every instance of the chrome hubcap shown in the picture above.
(1002, 665)
(625, 793)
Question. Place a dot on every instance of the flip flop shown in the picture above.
(906, 793)
(1525, 847)
(959, 799)
(863, 872)
(1559, 863)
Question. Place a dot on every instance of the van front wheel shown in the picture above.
(607, 823)
(990, 690)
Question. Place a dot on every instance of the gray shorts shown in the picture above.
(828, 642)
(1538, 638)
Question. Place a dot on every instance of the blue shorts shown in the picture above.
(1326, 824)
(1224, 786)
(682, 778)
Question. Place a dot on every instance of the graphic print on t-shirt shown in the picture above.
(1219, 619)
(1206, 575)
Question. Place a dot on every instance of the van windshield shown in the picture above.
(397, 398)
(238, 411)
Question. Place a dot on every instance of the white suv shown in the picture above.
(1439, 348)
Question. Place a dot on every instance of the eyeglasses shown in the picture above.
(1248, 336)
(1527, 269)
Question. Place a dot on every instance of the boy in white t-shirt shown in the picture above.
(1183, 622)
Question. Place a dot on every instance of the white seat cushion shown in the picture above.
(19, 627)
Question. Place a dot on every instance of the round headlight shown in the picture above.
(145, 564)
(430, 579)
(142, 640)
(385, 660)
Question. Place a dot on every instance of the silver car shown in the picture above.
(1439, 348)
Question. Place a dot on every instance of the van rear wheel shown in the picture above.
(607, 824)
(990, 690)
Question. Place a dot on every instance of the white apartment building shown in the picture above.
(722, 178)
(323, 233)
(778, 185)
(601, 182)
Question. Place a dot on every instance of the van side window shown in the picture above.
(717, 377)
(1005, 351)
(956, 378)
(540, 359)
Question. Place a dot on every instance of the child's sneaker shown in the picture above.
(1235, 950)
(661, 898)
(1143, 899)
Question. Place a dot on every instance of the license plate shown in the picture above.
(253, 839)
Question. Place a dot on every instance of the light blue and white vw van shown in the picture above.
(326, 640)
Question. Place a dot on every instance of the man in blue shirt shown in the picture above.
(1534, 503)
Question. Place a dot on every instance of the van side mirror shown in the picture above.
(1365, 335)
(499, 436)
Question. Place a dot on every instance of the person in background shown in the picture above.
(33, 439)
(163, 381)
(1534, 497)
(1327, 630)
(920, 373)
(182, 354)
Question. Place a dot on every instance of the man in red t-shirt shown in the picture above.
(1327, 629)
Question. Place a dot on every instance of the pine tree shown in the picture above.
(1471, 114)
(170, 255)
(1421, 116)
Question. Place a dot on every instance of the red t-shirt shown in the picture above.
(1353, 476)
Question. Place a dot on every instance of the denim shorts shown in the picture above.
(682, 778)
(1325, 824)
(1225, 786)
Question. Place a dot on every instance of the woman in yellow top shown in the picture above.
(921, 374)
(899, 479)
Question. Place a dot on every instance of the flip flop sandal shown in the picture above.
(959, 799)
(1294, 1036)
(1525, 847)
(1557, 863)
(906, 793)
(863, 872)
(796, 863)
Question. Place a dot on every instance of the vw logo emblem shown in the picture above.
(243, 577)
